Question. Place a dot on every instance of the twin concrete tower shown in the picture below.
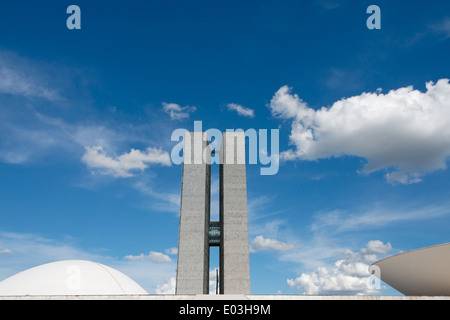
(197, 233)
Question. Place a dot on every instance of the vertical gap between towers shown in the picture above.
(214, 254)
(213, 269)
(214, 205)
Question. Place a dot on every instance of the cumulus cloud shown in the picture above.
(177, 112)
(260, 243)
(241, 110)
(405, 131)
(152, 255)
(121, 166)
(348, 275)
(167, 287)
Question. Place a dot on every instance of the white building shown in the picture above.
(70, 277)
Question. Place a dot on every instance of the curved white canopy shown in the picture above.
(70, 277)
(422, 272)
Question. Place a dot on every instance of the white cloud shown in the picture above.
(159, 257)
(161, 201)
(406, 132)
(167, 287)
(442, 28)
(260, 243)
(177, 112)
(5, 251)
(21, 77)
(172, 251)
(376, 247)
(349, 275)
(340, 221)
(152, 255)
(258, 204)
(241, 110)
(121, 166)
(12, 82)
(41, 104)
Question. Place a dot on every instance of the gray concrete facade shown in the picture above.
(197, 233)
(193, 246)
(234, 249)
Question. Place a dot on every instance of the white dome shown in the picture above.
(70, 277)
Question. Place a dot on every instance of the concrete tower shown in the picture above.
(197, 233)
(234, 251)
(193, 247)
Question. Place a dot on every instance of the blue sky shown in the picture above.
(363, 118)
